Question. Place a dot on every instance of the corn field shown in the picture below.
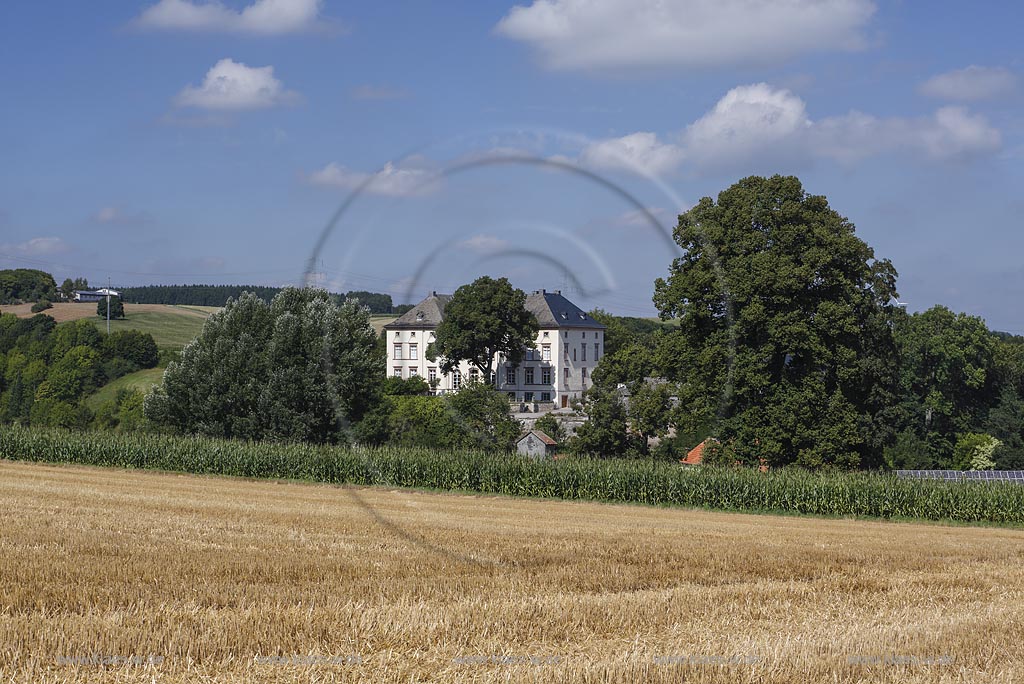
(787, 491)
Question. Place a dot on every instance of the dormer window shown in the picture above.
(420, 316)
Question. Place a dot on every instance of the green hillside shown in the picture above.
(172, 327)
(140, 381)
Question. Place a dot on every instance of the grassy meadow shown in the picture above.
(175, 578)
(141, 381)
(172, 327)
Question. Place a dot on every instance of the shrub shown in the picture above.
(116, 368)
(132, 345)
(973, 451)
(116, 308)
(549, 425)
(123, 414)
(413, 386)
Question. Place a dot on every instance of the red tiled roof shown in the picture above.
(696, 455)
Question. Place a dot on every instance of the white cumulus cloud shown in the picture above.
(261, 17)
(970, 83)
(642, 152)
(758, 123)
(618, 34)
(392, 180)
(954, 132)
(748, 121)
(231, 85)
(951, 133)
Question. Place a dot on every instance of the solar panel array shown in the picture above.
(1016, 476)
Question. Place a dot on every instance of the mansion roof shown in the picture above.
(551, 309)
(426, 314)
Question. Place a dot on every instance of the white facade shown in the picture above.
(557, 369)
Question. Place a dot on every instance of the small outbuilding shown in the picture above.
(536, 444)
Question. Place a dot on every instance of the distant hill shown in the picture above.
(218, 295)
(194, 295)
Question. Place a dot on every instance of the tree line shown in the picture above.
(782, 342)
(303, 367)
(218, 295)
(46, 370)
(31, 285)
(789, 346)
(26, 285)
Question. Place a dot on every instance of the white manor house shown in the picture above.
(569, 344)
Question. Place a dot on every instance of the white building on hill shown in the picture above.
(558, 369)
(94, 295)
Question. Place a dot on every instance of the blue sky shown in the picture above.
(188, 141)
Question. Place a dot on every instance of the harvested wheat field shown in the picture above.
(179, 578)
(72, 311)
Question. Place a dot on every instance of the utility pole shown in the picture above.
(108, 306)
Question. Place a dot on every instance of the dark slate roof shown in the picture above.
(555, 311)
(551, 309)
(426, 314)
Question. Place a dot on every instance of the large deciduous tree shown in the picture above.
(482, 319)
(606, 432)
(785, 327)
(949, 377)
(299, 368)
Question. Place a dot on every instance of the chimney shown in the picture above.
(558, 292)
(433, 293)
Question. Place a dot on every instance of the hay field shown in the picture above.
(378, 321)
(70, 311)
(231, 580)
